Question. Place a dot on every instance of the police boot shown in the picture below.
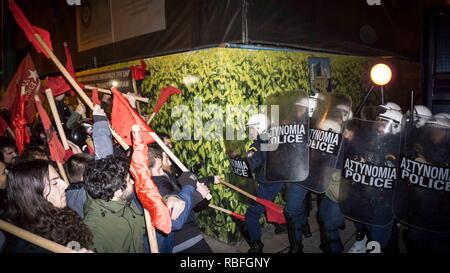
(279, 229)
(331, 246)
(306, 230)
(255, 247)
(243, 230)
(294, 245)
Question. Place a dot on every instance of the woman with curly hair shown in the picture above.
(37, 202)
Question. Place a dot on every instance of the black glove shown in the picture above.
(188, 178)
(203, 204)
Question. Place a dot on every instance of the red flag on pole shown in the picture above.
(146, 189)
(57, 152)
(164, 95)
(27, 76)
(95, 99)
(58, 85)
(29, 29)
(20, 125)
(123, 117)
(138, 72)
(274, 213)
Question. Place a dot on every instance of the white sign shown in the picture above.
(103, 22)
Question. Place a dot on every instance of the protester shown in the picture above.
(34, 153)
(186, 236)
(258, 125)
(116, 223)
(75, 193)
(8, 152)
(37, 203)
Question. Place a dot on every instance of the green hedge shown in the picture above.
(235, 77)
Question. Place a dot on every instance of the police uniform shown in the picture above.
(256, 160)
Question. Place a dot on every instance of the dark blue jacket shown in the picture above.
(256, 160)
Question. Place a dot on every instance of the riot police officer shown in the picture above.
(258, 125)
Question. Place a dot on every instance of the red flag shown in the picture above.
(20, 126)
(3, 126)
(29, 29)
(69, 62)
(274, 213)
(146, 189)
(57, 152)
(95, 99)
(123, 117)
(70, 68)
(27, 76)
(138, 72)
(59, 85)
(164, 95)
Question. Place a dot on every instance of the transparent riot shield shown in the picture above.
(325, 139)
(422, 191)
(370, 153)
(287, 144)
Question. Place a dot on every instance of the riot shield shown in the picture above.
(370, 153)
(325, 139)
(422, 191)
(287, 143)
(237, 157)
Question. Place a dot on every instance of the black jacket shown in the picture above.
(256, 160)
(167, 186)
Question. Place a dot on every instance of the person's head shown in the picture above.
(166, 139)
(438, 129)
(76, 166)
(37, 202)
(34, 180)
(349, 132)
(159, 160)
(8, 152)
(390, 122)
(109, 179)
(78, 135)
(3, 173)
(302, 106)
(257, 125)
(34, 153)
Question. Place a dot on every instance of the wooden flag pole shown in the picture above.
(151, 233)
(56, 118)
(220, 209)
(106, 91)
(151, 118)
(75, 85)
(62, 135)
(138, 105)
(11, 132)
(33, 238)
(239, 190)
